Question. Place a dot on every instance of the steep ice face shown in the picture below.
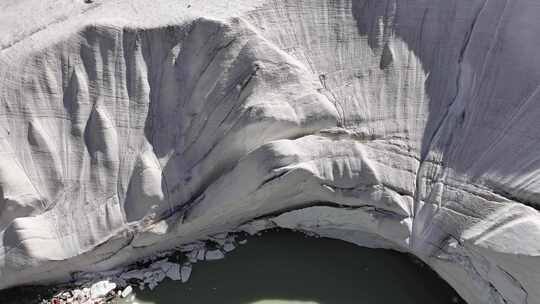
(131, 127)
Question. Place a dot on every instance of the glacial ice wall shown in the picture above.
(130, 127)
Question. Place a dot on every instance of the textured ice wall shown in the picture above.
(134, 126)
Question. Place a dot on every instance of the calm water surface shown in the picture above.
(287, 268)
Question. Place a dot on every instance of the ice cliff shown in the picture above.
(132, 126)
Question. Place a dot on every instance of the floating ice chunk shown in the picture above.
(213, 255)
(192, 256)
(162, 265)
(159, 276)
(201, 254)
(126, 292)
(185, 272)
(220, 238)
(174, 272)
(228, 247)
(153, 277)
(101, 289)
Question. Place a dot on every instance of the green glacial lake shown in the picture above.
(287, 267)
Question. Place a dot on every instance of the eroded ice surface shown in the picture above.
(134, 126)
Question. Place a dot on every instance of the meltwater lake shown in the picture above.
(286, 267)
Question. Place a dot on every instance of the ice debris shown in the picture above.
(101, 289)
(97, 288)
(126, 292)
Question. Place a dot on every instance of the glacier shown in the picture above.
(133, 126)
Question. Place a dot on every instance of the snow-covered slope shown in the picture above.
(130, 127)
